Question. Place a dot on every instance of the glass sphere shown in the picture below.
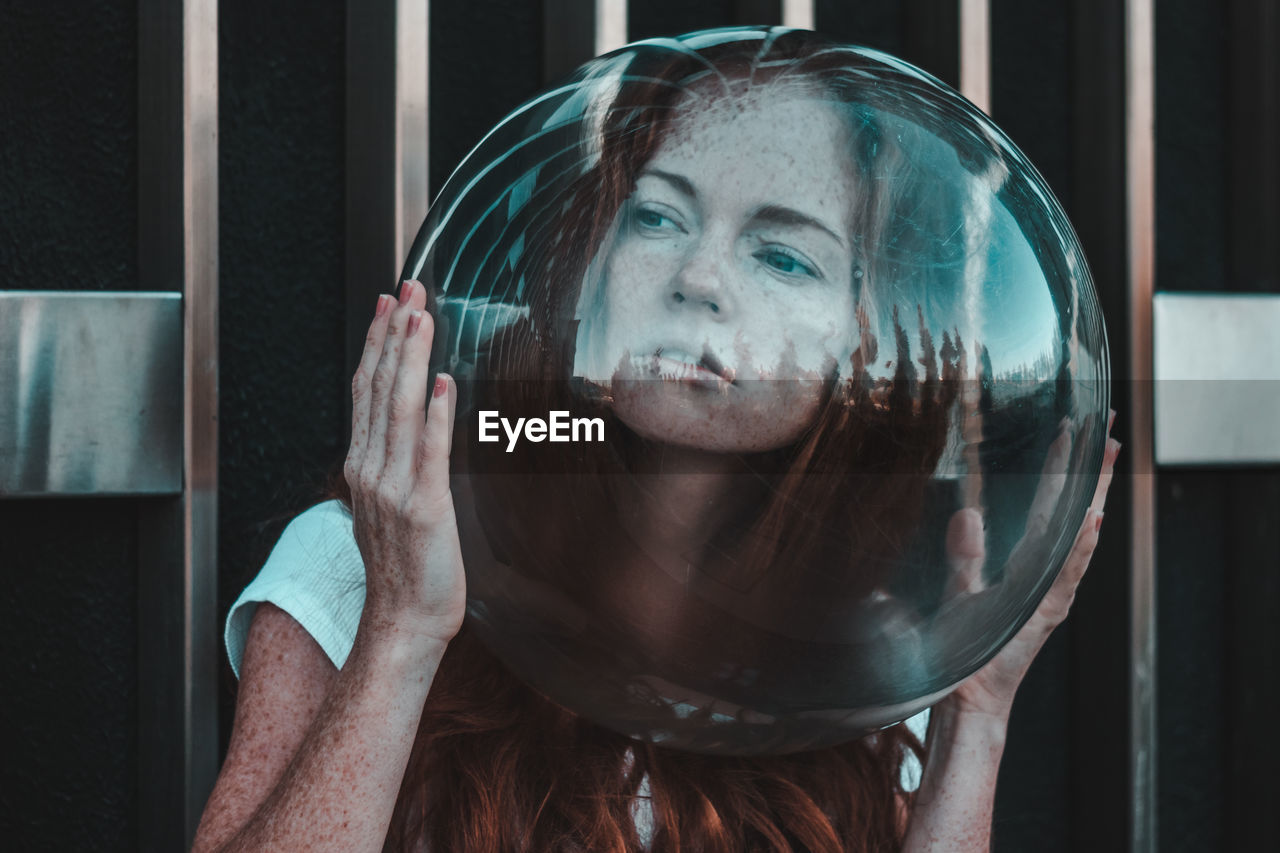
(783, 388)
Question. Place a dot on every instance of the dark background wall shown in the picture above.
(68, 632)
(68, 210)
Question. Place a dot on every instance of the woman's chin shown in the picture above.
(690, 418)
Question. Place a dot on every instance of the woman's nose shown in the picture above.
(702, 283)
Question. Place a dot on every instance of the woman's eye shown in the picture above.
(786, 263)
(650, 219)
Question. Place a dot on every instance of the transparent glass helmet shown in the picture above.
(783, 388)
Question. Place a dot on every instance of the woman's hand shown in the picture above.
(318, 754)
(953, 805)
(990, 690)
(398, 471)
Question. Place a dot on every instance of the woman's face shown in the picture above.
(726, 296)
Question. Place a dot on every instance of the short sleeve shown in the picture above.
(316, 575)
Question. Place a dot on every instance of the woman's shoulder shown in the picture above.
(316, 575)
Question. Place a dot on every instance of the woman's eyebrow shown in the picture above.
(678, 182)
(769, 214)
(787, 217)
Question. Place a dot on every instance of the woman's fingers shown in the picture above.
(1053, 479)
(361, 385)
(412, 298)
(434, 443)
(1109, 454)
(1104, 479)
(1063, 591)
(966, 552)
(407, 401)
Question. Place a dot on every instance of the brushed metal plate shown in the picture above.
(1217, 378)
(90, 393)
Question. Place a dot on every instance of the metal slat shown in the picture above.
(611, 25)
(975, 52)
(1140, 91)
(90, 394)
(799, 14)
(1217, 372)
(177, 572)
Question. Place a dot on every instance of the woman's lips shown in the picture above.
(710, 362)
(673, 364)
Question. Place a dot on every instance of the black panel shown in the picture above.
(1253, 119)
(1252, 537)
(1191, 154)
(872, 23)
(673, 17)
(1031, 84)
(1101, 781)
(1191, 194)
(68, 221)
(281, 221)
(69, 667)
(69, 146)
(1030, 101)
(931, 38)
(1252, 550)
(1191, 742)
(1033, 806)
(486, 59)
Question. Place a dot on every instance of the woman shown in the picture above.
(418, 749)
(722, 252)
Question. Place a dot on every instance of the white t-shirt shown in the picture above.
(316, 575)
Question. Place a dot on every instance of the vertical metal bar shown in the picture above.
(412, 154)
(611, 25)
(1140, 189)
(178, 249)
(798, 14)
(975, 52)
(386, 176)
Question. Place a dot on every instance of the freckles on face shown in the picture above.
(727, 291)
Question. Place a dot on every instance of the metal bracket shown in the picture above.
(90, 393)
(1217, 379)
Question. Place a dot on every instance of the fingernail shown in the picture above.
(406, 290)
(415, 321)
(442, 385)
(384, 302)
(1097, 522)
(1111, 418)
(1113, 448)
